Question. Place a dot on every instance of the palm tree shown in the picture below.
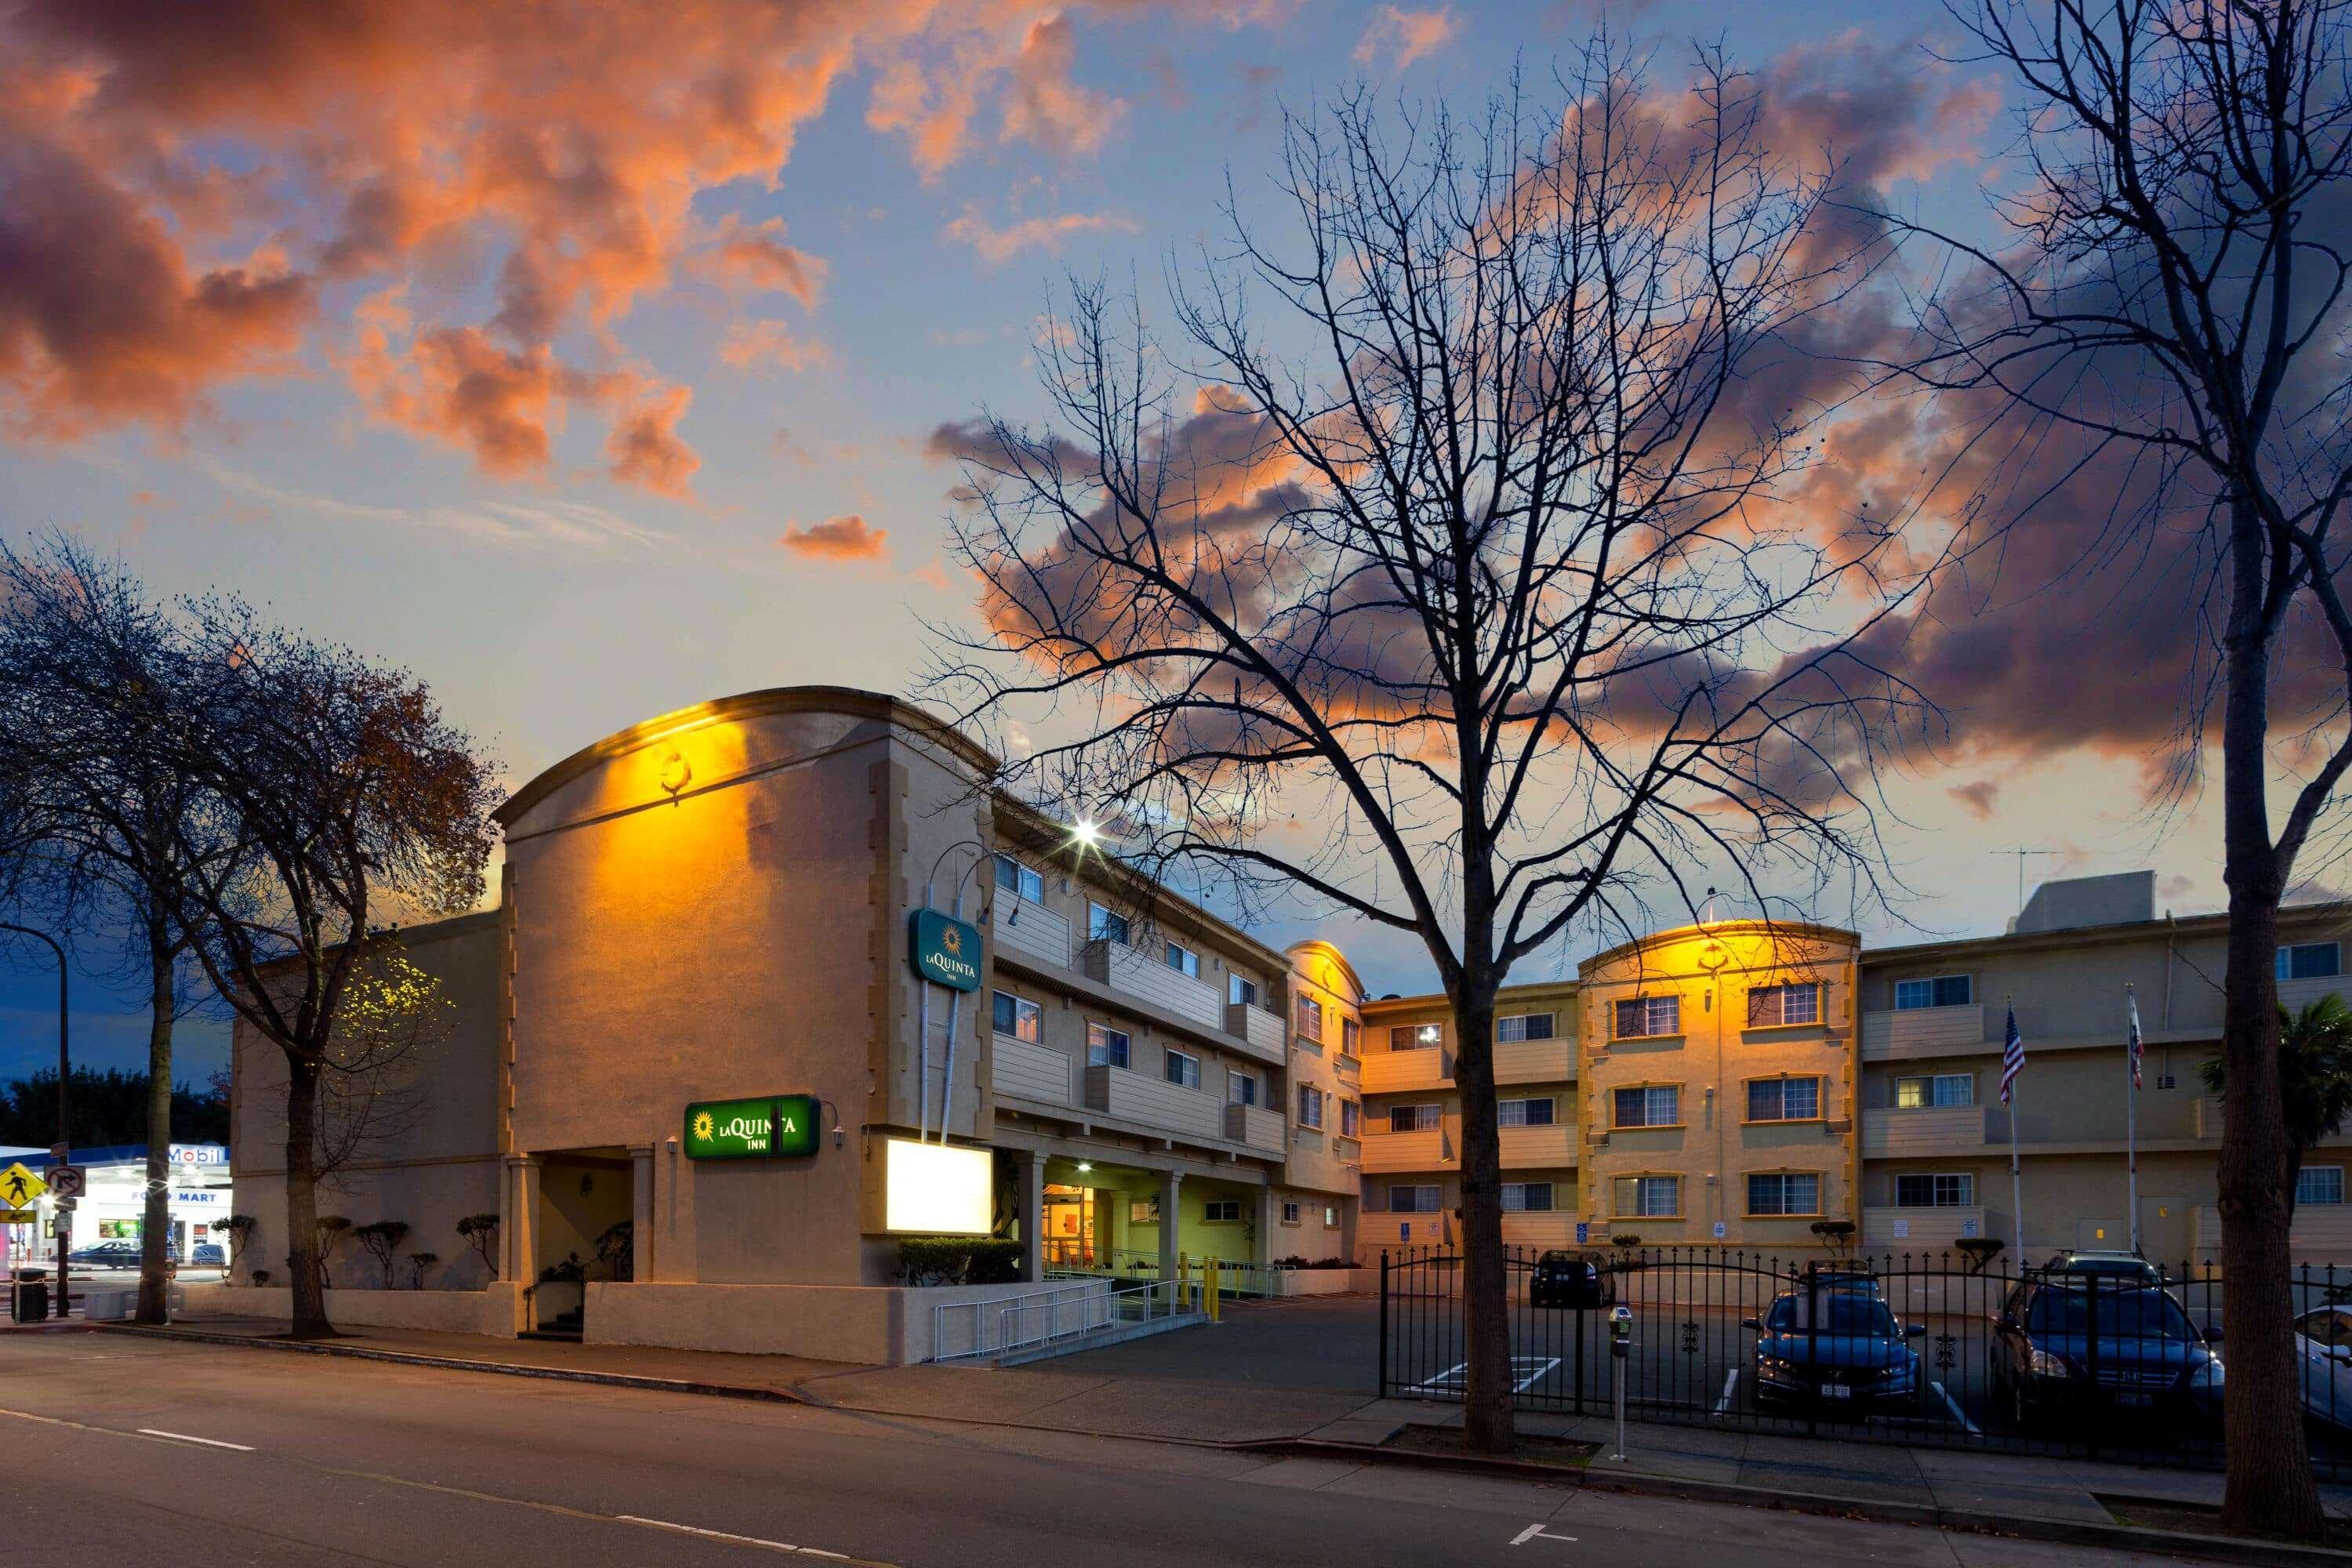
(2314, 1078)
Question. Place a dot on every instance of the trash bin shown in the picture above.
(28, 1299)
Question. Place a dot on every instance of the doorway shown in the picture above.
(582, 1232)
(1069, 1228)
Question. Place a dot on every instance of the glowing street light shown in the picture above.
(1086, 833)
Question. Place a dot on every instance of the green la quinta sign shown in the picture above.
(749, 1128)
(945, 949)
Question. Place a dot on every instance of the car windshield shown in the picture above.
(1840, 1314)
(2122, 1314)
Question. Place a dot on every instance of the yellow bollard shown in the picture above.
(1183, 1282)
(1212, 1290)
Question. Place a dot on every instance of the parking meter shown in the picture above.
(1621, 1345)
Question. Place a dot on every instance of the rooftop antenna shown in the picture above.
(1706, 909)
(2021, 853)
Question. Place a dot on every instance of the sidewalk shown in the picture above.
(1090, 1394)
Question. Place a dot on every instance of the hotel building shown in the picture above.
(797, 927)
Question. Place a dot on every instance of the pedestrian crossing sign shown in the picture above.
(19, 1186)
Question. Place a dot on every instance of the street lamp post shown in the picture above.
(64, 1150)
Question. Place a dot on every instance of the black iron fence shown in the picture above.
(2114, 1360)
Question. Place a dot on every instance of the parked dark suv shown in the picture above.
(2094, 1343)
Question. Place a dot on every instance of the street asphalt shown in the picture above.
(119, 1447)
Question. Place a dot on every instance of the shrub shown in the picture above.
(417, 1263)
(959, 1260)
(481, 1231)
(261, 1276)
(239, 1229)
(331, 1230)
(616, 1250)
(1979, 1250)
(381, 1239)
(1837, 1234)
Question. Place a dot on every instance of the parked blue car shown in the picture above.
(1838, 1346)
(2145, 1358)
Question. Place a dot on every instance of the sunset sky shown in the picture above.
(584, 355)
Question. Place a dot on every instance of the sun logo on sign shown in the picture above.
(953, 940)
(704, 1129)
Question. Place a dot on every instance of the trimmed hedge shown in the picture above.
(959, 1260)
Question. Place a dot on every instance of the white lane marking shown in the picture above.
(1731, 1382)
(1958, 1415)
(184, 1437)
(1537, 1532)
(710, 1534)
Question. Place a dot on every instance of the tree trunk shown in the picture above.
(1487, 1389)
(155, 1222)
(302, 1201)
(2270, 1487)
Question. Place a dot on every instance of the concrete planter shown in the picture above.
(877, 1325)
(1325, 1282)
(494, 1310)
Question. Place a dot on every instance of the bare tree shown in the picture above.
(2173, 284)
(362, 805)
(1455, 596)
(107, 816)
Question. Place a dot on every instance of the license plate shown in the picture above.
(2134, 1396)
(1836, 1391)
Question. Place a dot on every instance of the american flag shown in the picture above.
(2012, 1055)
(2136, 1049)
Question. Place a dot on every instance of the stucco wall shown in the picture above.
(889, 1326)
(494, 1311)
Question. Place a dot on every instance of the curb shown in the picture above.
(2111, 1537)
(454, 1363)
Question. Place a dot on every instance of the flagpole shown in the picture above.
(2016, 1181)
(2131, 1109)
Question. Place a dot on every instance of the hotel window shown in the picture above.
(1241, 1087)
(1105, 925)
(1413, 1199)
(1222, 1211)
(1183, 1070)
(1351, 1119)
(1019, 1017)
(1241, 993)
(1650, 1197)
(1019, 881)
(1943, 1190)
(1771, 1006)
(1414, 1037)
(1641, 1017)
(1351, 1038)
(1926, 1091)
(2309, 961)
(1523, 1112)
(1523, 1026)
(1415, 1118)
(1310, 1105)
(1527, 1197)
(2320, 1184)
(1784, 1193)
(1784, 1099)
(1943, 991)
(1290, 1212)
(1105, 1046)
(1183, 960)
(1651, 1105)
(1310, 1020)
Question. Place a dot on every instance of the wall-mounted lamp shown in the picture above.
(837, 1122)
(1085, 1165)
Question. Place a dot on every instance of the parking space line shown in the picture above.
(1730, 1383)
(184, 1437)
(1958, 1415)
(1537, 1532)
(714, 1534)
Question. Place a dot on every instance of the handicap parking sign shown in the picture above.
(1584, 1233)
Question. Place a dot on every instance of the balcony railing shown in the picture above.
(1348, 1150)
(1531, 1146)
(1258, 1029)
(1034, 929)
(1172, 991)
(1153, 1102)
(1390, 1072)
(1921, 1031)
(1255, 1127)
(1926, 1129)
(1407, 1150)
(1032, 1072)
(1533, 1061)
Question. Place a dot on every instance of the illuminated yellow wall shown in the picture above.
(1710, 1060)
